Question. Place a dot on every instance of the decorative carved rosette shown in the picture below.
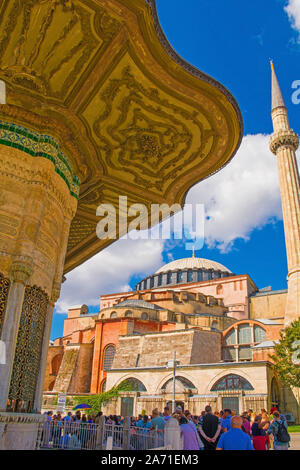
(287, 138)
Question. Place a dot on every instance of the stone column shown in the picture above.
(20, 274)
(45, 345)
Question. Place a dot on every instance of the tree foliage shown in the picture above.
(97, 401)
(286, 356)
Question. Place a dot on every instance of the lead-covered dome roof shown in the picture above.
(192, 263)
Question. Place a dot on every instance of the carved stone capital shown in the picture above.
(286, 138)
(21, 270)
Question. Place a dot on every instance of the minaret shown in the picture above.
(284, 143)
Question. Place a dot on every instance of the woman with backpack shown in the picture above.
(280, 433)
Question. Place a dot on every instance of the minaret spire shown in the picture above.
(284, 143)
(277, 98)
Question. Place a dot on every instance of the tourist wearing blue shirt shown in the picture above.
(226, 420)
(235, 438)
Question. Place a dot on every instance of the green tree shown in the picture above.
(286, 356)
(97, 401)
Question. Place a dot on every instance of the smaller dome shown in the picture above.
(136, 303)
(192, 263)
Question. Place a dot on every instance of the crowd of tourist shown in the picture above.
(224, 430)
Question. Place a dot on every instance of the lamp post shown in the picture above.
(173, 364)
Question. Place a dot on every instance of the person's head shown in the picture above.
(166, 411)
(178, 410)
(236, 422)
(188, 414)
(183, 420)
(83, 418)
(276, 415)
(145, 418)
(222, 413)
(245, 417)
(70, 413)
(227, 412)
(257, 419)
(196, 419)
(208, 409)
(50, 413)
(250, 411)
(233, 412)
(155, 413)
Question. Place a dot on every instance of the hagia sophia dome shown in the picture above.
(192, 263)
(183, 271)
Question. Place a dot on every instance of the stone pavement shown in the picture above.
(295, 441)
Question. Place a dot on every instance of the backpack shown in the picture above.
(282, 433)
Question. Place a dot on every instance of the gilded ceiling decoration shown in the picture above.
(125, 110)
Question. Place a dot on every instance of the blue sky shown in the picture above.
(232, 41)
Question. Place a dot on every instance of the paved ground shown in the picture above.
(295, 441)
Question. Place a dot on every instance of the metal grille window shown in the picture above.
(245, 334)
(232, 382)
(28, 349)
(109, 355)
(230, 337)
(245, 353)
(259, 334)
(229, 354)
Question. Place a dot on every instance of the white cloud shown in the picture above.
(109, 271)
(243, 196)
(293, 11)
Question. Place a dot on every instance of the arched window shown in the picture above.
(232, 382)
(128, 313)
(199, 276)
(275, 393)
(181, 383)
(113, 315)
(219, 289)
(230, 337)
(179, 276)
(159, 281)
(109, 354)
(144, 316)
(209, 275)
(103, 386)
(259, 334)
(134, 385)
(151, 282)
(244, 334)
(190, 275)
(169, 277)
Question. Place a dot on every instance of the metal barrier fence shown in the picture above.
(71, 435)
(68, 435)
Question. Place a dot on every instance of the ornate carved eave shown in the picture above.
(100, 77)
